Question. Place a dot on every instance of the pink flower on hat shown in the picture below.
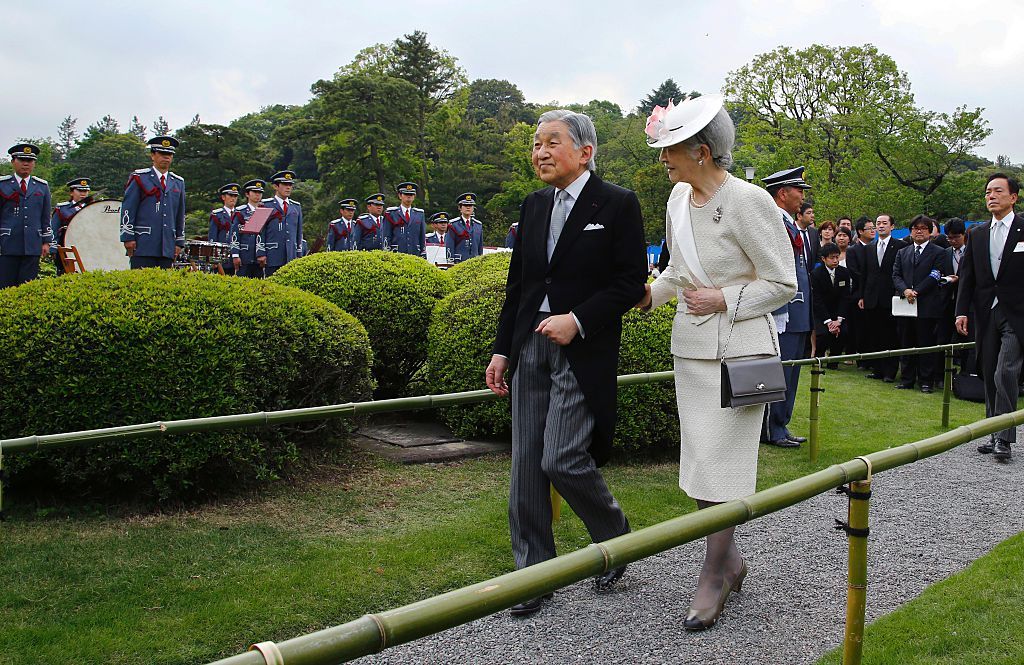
(656, 122)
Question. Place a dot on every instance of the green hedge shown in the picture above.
(391, 294)
(467, 272)
(104, 349)
(462, 334)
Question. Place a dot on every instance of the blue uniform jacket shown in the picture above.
(366, 232)
(220, 224)
(399, 235)
(243, 245)
(62, 214)
(799, 308)
(339, 235)
(152, 216)
(24, 220)
(282, 236)
(464, 241)
(513, 233)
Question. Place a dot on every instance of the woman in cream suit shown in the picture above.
(731, 258)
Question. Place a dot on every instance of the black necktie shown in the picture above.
(917, 255)
(807, 247)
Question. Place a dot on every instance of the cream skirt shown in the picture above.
(718, 447)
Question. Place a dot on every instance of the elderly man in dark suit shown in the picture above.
(578, 265)
(990, 281)
(875, 293)
(916, 275)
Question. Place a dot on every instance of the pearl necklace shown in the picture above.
(713, 195)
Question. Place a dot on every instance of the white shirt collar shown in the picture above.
(577, 185)
(831, 271)
(158, 174)
(789, 218)
(280, 201)
(922, 245)
(1005, 221)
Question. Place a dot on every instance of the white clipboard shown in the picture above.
(903, 307)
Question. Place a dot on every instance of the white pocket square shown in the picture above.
(1019, 247)
(594, 227)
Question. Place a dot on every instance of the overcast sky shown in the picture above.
(223, 59)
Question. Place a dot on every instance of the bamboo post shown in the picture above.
(857, 575)
(947, 387)
(812, 437)
(556, 505)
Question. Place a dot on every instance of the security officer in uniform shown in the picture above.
(282, 236)
(25, 234)
(339, 232)
(153, 210)
(404, 228)
(467, 233)
(243, 245)
(366, 231)
(79, 190)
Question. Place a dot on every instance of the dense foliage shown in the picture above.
(391, 294)
(98, 350)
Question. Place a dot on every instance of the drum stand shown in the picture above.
(70, 259)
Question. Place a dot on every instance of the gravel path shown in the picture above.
(792, 607)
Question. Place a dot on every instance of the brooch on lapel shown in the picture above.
(718, 215)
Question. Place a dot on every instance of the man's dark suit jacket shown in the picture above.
(931, 298)
(877, 288)
(831, 301)
(978, 287)
(815, 244)
(597, 271)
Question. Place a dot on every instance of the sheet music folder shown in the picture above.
(257, 221)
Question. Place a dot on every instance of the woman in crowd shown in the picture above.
(827, 232)
(730, 266)
(843, 240)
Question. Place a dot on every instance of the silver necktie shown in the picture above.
(557, 221)
(998, 240)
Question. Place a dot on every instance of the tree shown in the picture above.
(106, 158)
(500, 100)
(67, 137)
(137, 128)
(103, 127)
(194, 122)
(213, 155)
(161, 127)
(660, 96)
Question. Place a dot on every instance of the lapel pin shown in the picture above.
(718, 215)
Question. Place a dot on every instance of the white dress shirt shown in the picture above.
(996, 242)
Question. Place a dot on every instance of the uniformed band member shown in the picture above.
(366, 230)
(25, 234)
(404, 227)
(513, 233)
(153, 210)
(282, 236)
(221, 218)
(78, 191)
(339, 232)
(467, 233)
(243, 245)
(439, 222)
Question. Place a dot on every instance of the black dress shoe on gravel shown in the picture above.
(925, 388)
(986, 448)
(530, 606)
(1001, 451)
(784, 443)
(905, 386)
(605, 581)
(796, 439)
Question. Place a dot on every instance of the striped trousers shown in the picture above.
(551, 432)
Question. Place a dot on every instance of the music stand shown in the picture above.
(257, 221)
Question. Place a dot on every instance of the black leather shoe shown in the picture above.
(874, 375)
(605, 581)
(925, 388)
(529, 607)
(1001, 451)
(889, 379)
(905, 386)
(986, 448)
(796, 439)
(784, 443)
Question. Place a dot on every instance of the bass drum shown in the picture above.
(96, 233)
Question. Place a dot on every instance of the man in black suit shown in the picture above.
(956, 234)
(580, 262)
(990, 281)
(919, 267)
(856, 256)
(830, 286)
(808, 234)
(875, 297)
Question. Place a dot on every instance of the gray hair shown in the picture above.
(719, 136)
(581, 129)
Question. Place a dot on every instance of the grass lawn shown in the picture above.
(353, 535)
(972, 618)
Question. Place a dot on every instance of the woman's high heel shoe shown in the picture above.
(704, 618)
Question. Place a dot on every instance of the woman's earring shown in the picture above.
(700, 162)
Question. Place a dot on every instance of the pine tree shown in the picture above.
(160, 126)
(67, 137)
(137, 128)
(661, 95)
(195, 121)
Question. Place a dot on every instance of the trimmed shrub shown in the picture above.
(102, 349)
(469, 271)
(391, 294)
(461, 337)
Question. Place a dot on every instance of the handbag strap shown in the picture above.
(732, 325)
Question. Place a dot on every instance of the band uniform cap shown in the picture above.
(24, 151)
(467, 199)
(439, 217)
(283, 178)
(165, 144)
(377, 199)
(669, 126)
(231, 188)
(786, 178)
(81, 184)
(254, 185)
(347, 204)
(407, 188)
